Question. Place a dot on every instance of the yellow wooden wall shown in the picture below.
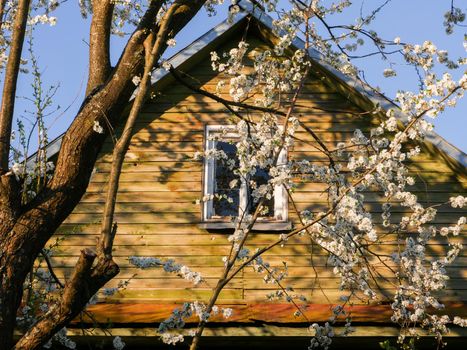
(157, 215)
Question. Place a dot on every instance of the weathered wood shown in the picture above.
(154, 157)
(310, 197)
(190, 207)
(309, 272)
(194, 218)
(182, 155)
(157, 215)
(161, 229)
(270, 336)
(171, 281)
(155, 182)
(341, 106)
(304, 98)
(209, 83)
(183, 146)
(172, 294)
(153, 186)
(163, 207)
(333, 283)
(250, 313)
(166, 169)
(131, 273)
(325, 296)
(223, 250)
(157, 239)
(201, 261)
(148, 119)
(151, 177)
(129, 197)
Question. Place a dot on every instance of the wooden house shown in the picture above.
(158, 216)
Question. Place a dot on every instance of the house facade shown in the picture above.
(160, 211)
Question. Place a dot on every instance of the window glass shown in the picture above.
(229, 195)
(227, 200)
(261, 177)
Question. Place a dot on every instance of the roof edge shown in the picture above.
(259, 14)
(196, 46)
(159, 74)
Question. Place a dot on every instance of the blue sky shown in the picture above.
(62, 55)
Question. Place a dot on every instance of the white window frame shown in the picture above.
(280, 193)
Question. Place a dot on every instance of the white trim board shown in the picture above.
(280, 193)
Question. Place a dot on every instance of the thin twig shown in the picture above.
(51, 269)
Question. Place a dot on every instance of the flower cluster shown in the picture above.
(178, 317)
(373, 162)
(367, 170)
(118, 343)
(323, 336)
(168, 266)
(61, 338)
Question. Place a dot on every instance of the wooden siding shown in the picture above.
(160, 183)
(247, 313)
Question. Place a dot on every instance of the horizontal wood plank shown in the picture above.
(157, 215)
(250, 313)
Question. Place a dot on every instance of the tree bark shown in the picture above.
(153, 51)
(11, 77)
(99, 44)
(24, 235)
(83, 284)
(86, 281)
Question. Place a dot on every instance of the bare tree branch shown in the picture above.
(51, 269)
(11, 77)
(2, 12)
(23, 236)
(83, 284)
(153, 52)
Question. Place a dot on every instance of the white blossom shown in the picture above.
(168, 266)
(97, 127)
(226, 312)
(389, 73)
(462, 322)
(136, 80)
(458, 202)
(172, 339)
(117, 343)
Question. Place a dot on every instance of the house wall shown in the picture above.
(160, 182)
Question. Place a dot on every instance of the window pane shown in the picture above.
(227, 200)
(261, 177)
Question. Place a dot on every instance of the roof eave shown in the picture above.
(354, 85)
(160, 74)
(355, 88)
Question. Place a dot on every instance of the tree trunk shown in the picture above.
(15, 267)
(24, 231)
(85, 281)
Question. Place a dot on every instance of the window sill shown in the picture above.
(258, 226)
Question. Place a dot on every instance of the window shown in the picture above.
(228, 202)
